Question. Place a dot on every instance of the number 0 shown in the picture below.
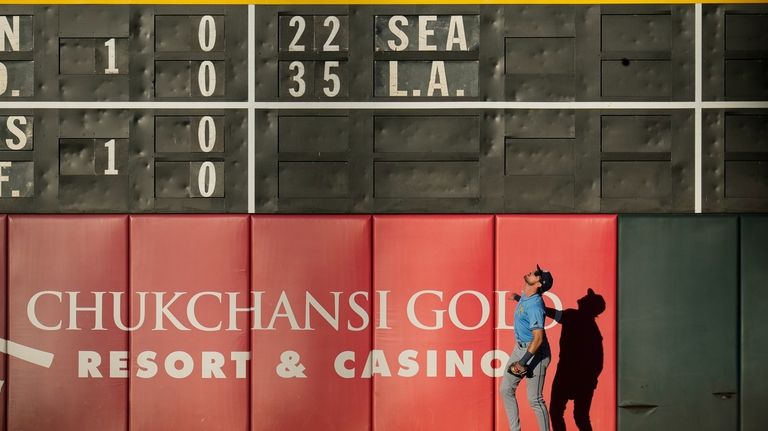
(206, 179)
(206, 33)
(206, 78)
(206, 134)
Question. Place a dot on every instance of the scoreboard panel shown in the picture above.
(383, 108)
(123, 53)
(495, 53)
(476, 160)
(736, 53)
(123, 160)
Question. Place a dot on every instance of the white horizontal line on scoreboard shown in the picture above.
(124, 105)
(386, 105)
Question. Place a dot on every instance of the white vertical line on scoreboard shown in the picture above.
(697, 111)
(251, 109)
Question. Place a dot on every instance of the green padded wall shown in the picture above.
(678, 308)
(754, 327)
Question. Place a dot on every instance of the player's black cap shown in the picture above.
(546, 278)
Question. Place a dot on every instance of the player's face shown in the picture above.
(532, 277)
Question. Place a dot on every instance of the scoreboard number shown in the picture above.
(322, 38)
(300, 24)
(111, 63)
(189, 134)
(206, 179)
(334, 24)
(110, 145)
(298, 68)
(206, 33)
(181, 136)
(206, 134)
(331, 78)
(326, 33)
(206, 78)
(321, 79)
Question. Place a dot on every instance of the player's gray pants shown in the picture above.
(537, 370)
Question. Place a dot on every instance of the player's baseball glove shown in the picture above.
(518, 371)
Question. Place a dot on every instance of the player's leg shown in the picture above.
(536, 392)
(507, 390)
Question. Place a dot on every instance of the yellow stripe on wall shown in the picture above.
(372, 2)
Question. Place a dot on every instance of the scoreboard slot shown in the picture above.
(16, 33)
(16, 132)
(16, 78)
(426, 78)
(189, 134)
(185, 33)
(97, 56)
(100, 156)
(189, 179)
(17, 179)
(189, 78)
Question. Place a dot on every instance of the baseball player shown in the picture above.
(531, 355)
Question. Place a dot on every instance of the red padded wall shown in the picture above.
(451, 254)
(82, 254)
(190, 254)
(3, 315)
(580, 251)
(319, 255)
(376, 266)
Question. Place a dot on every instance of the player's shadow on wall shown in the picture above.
(580, 363)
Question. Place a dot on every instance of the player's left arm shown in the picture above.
(521, 366)
(538, 339)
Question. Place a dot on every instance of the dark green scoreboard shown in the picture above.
(432, 108)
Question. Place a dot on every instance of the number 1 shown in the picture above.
(111, 67)
(110, 157)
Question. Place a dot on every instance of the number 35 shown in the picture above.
(298, 77)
